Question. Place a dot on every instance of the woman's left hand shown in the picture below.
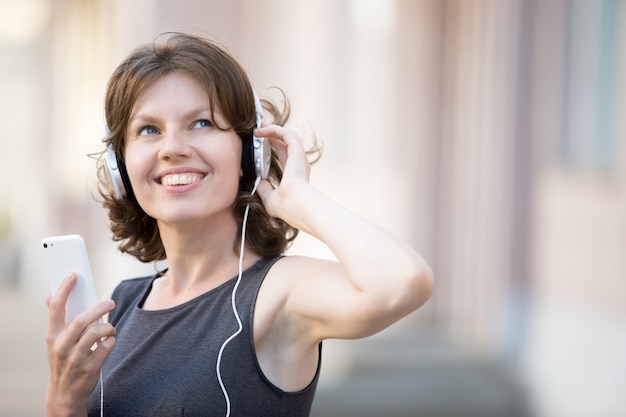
(296, 170)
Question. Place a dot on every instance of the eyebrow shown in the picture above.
(148, 118)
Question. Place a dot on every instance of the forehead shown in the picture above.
(172, 90)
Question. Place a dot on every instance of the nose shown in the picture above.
(174, 145)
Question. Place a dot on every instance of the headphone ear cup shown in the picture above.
(262, 156)
(247, 156)
(256, 157)
(117, 174)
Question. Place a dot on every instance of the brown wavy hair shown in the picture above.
(228, 89)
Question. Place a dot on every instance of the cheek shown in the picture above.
(235, 172)
(136, 166)
(234, 159)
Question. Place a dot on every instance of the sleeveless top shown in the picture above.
(164, 361)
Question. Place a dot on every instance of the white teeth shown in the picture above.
(180, 179)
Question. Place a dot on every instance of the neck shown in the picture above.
(202, 256)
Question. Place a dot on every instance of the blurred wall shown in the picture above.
(486, 133)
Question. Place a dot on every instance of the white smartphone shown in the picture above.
(63, 255)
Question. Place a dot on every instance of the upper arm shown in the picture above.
(319, 302)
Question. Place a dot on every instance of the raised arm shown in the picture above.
(377, 280)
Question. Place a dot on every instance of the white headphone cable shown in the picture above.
(101, 395)
(234, 302)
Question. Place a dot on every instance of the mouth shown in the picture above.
(180, 179)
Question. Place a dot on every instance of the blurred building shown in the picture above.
(487, 133)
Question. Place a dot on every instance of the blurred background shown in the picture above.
(487, 133)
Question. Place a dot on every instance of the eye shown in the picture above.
(147, 130)
(199, 124)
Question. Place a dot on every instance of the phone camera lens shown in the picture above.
(45, 245)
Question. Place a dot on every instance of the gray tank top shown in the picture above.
(164, 361)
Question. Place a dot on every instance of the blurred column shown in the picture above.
(479, 170)
(420, 77)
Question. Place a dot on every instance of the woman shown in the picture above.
(202, 338)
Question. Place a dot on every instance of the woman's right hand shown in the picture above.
(76, 352)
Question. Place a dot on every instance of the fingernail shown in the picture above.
(110, 303)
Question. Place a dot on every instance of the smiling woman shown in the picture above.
(230, 107)
(233, 325)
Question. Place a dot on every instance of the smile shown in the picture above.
(180, 179)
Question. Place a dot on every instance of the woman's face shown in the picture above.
(182, 169)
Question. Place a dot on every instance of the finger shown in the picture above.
(280, 135)
(263, 190)
(285, 142)
(281, 150)
(74, 332)
(94, 335)
(275, 132)
(57, 301)
(288, 136)
(102, 350)
(91, 315)
(82, 350)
